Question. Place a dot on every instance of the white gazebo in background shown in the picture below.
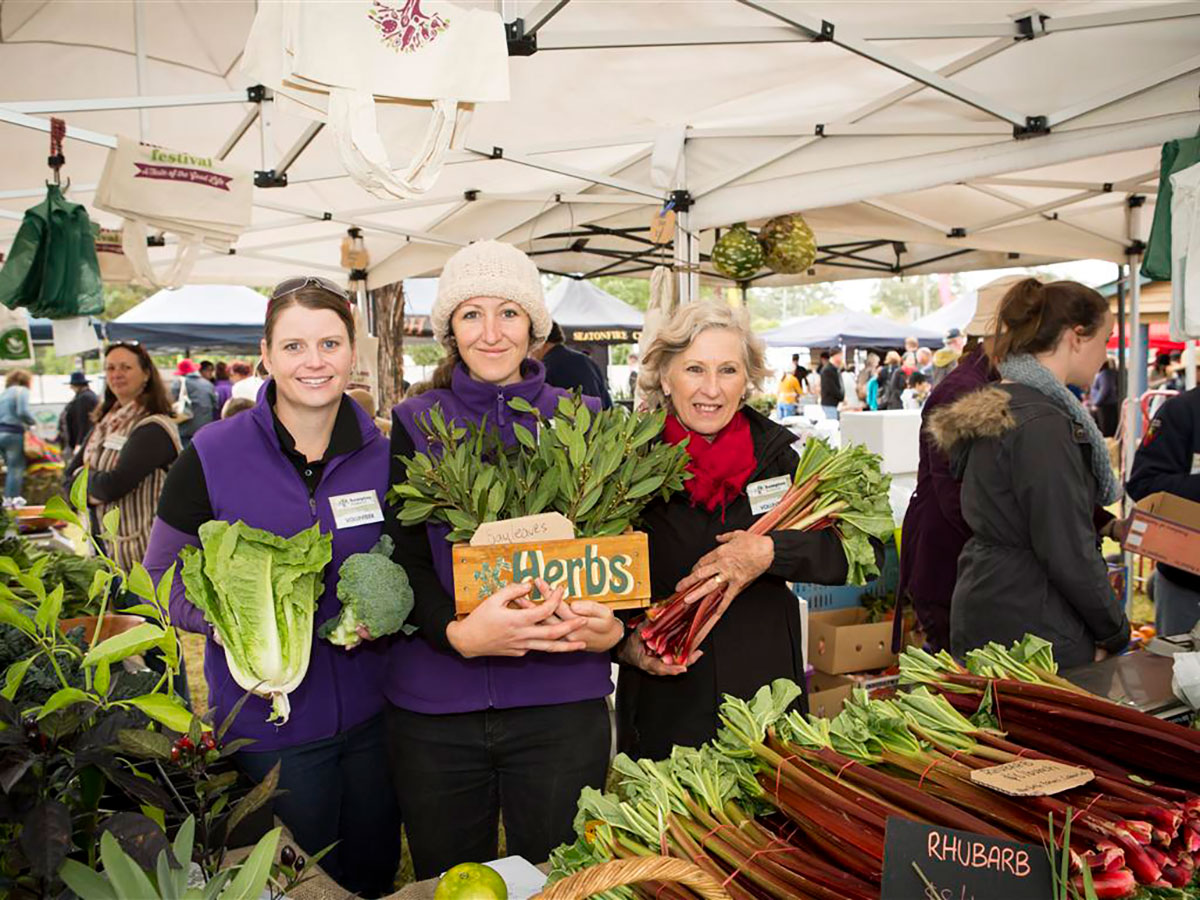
(913, 136)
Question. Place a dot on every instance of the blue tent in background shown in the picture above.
(41, 331)
(196, 315)
(849, 329)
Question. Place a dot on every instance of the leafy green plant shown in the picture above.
(63, 783)
(123, 877)
(599, 470)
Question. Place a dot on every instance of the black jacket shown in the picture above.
(832, 392)
(1169, 460)
(77, 420)
(1033, 563)
(571, 370)
(757, 640)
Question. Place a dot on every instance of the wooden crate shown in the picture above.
(612, 570)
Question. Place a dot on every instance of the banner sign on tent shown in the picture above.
(587, 335)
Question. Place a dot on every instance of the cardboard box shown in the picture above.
(1166, 528)
(841, 641)
(827, 693)
(612, 570)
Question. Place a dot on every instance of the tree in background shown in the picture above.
(389, 325)
(769, 306)
(120, 298)
(426, 353)
(908, 298)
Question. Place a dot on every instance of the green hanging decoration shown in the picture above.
(790, 245)
(737, 253)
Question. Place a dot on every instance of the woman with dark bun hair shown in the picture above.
(1033, 467)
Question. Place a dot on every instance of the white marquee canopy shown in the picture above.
(915, 136)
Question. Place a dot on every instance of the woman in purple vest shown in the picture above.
(503, 711)
(279, 467)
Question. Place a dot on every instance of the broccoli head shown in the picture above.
(375, 593)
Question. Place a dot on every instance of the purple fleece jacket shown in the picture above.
(425, 674)
(249, 478)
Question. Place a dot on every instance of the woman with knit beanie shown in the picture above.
(503, 711)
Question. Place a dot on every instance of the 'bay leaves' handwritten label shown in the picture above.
(927, 862)
(523, 530)
(1032, 777)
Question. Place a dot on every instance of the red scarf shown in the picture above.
(720, 468)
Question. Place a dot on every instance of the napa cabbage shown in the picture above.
(259, 592)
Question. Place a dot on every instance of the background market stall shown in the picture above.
(938, 141)
(208, 316)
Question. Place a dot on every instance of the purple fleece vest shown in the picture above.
(425, 679)
(249, 478)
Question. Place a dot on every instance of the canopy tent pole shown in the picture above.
(139, 49)
(1189, 365)
(1122, 348)
(1137, 348)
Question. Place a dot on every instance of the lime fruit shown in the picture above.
(471, 881)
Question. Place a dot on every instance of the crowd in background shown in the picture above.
(881, 380)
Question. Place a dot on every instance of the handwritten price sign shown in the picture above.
(926, 862)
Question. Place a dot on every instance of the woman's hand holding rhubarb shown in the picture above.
(633, 652)
(494, 628)
(739, 560)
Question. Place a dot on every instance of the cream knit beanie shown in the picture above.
(491, 269)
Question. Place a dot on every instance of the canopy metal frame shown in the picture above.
(602, 195)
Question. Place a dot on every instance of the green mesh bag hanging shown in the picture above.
(52, 267)
(737, 253)
(791, 246)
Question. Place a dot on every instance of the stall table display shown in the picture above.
(1003, 756)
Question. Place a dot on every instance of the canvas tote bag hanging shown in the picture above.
(338, 61)
(203, 200)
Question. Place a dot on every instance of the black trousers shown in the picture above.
(339, 789)
(456, 773)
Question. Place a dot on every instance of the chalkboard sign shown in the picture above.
(959, 865)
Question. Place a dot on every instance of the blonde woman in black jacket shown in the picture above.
(1033, 467)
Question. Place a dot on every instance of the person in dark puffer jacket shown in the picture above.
(1033, 467)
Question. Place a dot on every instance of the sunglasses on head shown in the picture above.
(300, 282)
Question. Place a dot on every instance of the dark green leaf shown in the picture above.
(254, 799)
(144, 744)
(127, 879)
(14, 763)
(228, 721)
(217, 783)
(46, 837)
(141, 788)
(140, 838)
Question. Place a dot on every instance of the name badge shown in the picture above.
(765, 495)
(1196, 463)
(115, 442)
(352, 510)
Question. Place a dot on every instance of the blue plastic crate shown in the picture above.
(822, 597)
